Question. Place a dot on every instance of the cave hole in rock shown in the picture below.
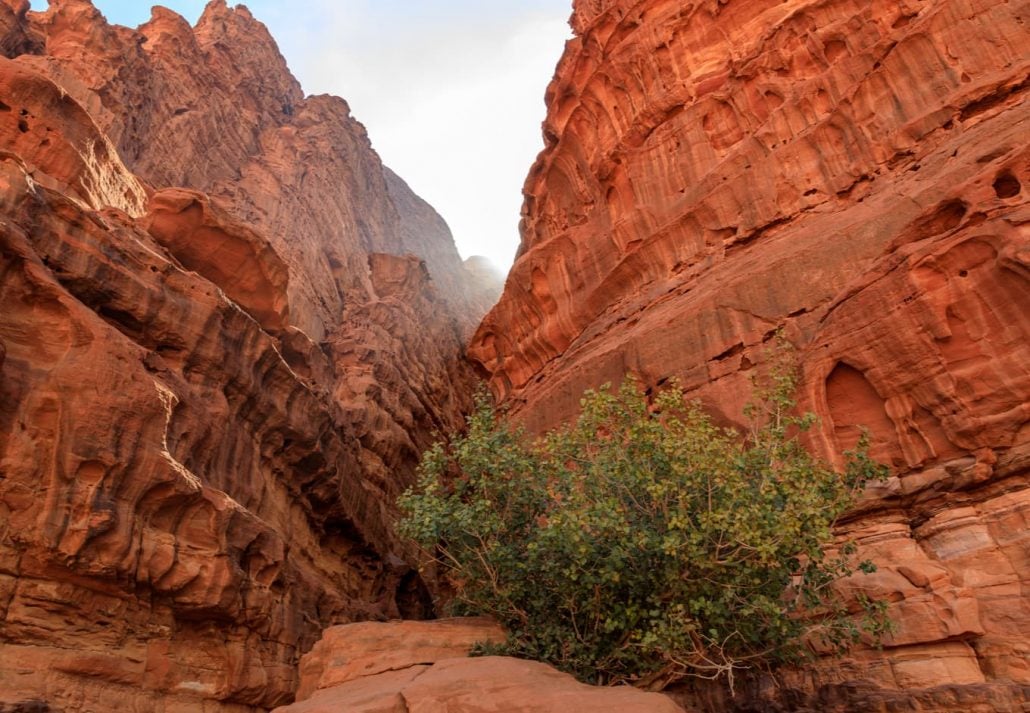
(413, 598)
(855, 406)
(942, 219)
(835, 49)
(1006, 185)
(902, 21)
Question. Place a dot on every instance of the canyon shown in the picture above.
(852, 173)
(228, 331)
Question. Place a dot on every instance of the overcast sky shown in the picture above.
(451, 91)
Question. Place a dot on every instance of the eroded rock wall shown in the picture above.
(855, 172)
(214, 108)
(219, 361)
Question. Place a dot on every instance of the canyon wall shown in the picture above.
(853, 172)
(226, 333)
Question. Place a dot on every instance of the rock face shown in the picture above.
(219, 361)
(409, 667)
(855, 173)
(486, 281)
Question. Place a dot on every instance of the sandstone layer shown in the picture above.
(226, 333)
(414, 667)
(855, 173)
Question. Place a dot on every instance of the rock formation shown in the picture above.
(409, 667)
(226, 333)
(486, 281)
(854, 172)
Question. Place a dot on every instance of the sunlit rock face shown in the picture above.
(402, 667)
(856, 173)
(226, 333)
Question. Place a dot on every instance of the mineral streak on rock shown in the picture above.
(854, 172)
(218, 364)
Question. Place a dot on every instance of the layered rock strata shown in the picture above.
(854, 173)
(214, 108)
(226, 333)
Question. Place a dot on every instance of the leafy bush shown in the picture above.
(644, 543)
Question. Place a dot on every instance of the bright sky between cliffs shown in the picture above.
(451, 91)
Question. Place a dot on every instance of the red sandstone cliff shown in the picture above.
(218, 363)
(855, 172)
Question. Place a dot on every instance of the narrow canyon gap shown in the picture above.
(227, 331)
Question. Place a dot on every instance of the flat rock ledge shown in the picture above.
(424, 667)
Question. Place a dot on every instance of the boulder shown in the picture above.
(423, 667)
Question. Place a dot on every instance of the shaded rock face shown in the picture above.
(423, 667)
(857, 174)
(218, 364)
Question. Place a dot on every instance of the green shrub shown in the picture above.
(644, 543)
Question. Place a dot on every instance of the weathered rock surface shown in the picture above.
(413, 667)
(218, 364)
(856, 173)
(352, 651)
(69, 151)
(230, 255)
(214, 108)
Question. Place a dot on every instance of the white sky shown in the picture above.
(451, 91)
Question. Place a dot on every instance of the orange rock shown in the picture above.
(382, 693)
(411, 667)
(853, 172)
(60, 144)
(214, 108)
(347, 653)
(228, 254)
(209, 404)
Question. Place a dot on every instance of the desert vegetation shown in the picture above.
(644, 543)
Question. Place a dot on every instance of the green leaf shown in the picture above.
(607, 545)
